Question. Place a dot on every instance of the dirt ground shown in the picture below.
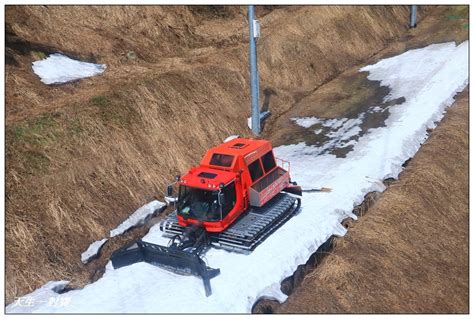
(80, 157)
(409, 253)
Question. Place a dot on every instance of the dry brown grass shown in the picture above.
(409, 253)
(324, 41)
(84, 155)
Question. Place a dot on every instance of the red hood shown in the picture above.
(202, 177)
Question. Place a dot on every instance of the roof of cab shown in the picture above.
(238, 146)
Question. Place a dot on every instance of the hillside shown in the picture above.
(82, 156)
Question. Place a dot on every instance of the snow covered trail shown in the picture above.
(427, 78)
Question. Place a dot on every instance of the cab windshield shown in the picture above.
(203, 205)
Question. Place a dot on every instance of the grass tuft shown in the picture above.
(38, 132)
(100, 101)
(118, 114)
(38, 55)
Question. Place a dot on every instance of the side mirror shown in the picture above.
(177, 178)
(169, 190)
(221, 198)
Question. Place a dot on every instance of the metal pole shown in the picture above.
(413, 17)
(254, 75)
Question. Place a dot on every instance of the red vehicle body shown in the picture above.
(233, 200)
(245, 171)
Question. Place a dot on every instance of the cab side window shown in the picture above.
(255, 170)
(230, 199)
(268, 161)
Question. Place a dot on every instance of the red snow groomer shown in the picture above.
(234, 199)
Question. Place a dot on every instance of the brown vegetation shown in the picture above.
(409, 252)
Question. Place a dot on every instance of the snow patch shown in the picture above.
(339, 132)
(335, 123)
(139, 217)
(346, 128)
(58, 68)
(93, 250)
(376, 109)
(307, 122)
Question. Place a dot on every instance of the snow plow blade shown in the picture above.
(169, 258)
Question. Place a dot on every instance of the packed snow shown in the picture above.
(139, 217)
(58, 68)
(427, 78)
(93, 250)
(307, 122)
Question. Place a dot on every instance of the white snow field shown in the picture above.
(58, 68)
(427, 78)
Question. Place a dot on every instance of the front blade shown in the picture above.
(169, 258)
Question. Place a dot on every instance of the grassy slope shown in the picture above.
(82, 156)
(409, 252)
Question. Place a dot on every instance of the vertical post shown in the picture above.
(254, 74)
(413, 17)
